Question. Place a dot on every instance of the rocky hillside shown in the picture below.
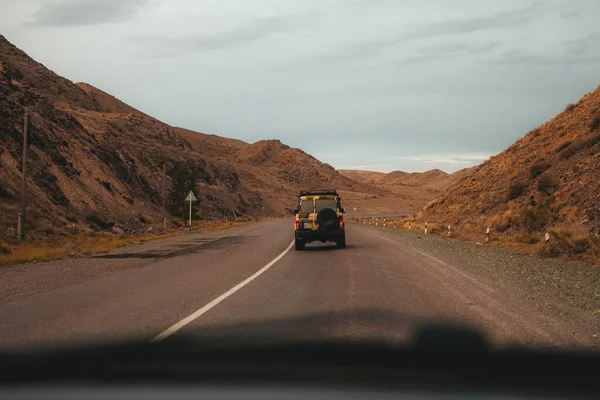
(361, 176)
(546, 181)
(95, 161)
(433, 179)
(277, 171)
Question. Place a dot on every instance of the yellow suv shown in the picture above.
(319, 217)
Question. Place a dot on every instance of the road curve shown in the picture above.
(393, 285)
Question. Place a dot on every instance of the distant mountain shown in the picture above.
(435, 179)
(362, 176)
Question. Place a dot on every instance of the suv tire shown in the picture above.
(327, 218)
(299, 244)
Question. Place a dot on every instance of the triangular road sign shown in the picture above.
(190, 197)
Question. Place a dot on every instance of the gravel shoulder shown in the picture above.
(569, 290)
(18, 281)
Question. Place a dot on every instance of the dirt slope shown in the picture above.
(410, 191)
(106, 102)
(433, 179)
(211, 145)
(277, 171)
(546, 181)
(95, 161)
(361, 176)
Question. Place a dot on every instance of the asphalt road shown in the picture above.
(377, 287)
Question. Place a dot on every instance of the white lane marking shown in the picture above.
(198, 313)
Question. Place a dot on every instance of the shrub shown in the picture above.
(516, 190)
(547, 185)
(538, 169)
(503, 227)
(564, 243)
(528, 238)
(595, 124)
(572, 149)
(97, 221)
(592, 140)
(533, 219)
(569, 107)
(581, 246)
(143, 220)
(563, 146)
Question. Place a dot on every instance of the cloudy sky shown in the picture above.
(366, 84)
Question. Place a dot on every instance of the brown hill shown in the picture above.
(411, 191)
(433, 179)
(277, 171)
(546, 181)
(94, 160)
(213, 145)
(361, 176)
(106, 102)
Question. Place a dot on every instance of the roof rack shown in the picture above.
(318, 192)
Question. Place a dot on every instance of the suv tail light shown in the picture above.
(341, 223)
(297, 224)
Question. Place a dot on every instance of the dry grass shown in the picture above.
(93, 243)
(567, 241)
(82, 244)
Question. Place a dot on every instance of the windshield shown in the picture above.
(307, 206)
(325, 203)
(458, 141)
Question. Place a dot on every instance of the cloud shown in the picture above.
(159, 47)
(366, 167)
(570, 14)
(445, 159)
(462, 26)
(453, 27)
(70, 13)
(570, 56)
(451, 49)
(579, 51)
(582, 45)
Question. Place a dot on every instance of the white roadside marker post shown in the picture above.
(426, 228)
(448, 230)
(547, 239)
(487, 235)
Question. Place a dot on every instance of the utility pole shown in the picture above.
(21, 220)
(163, 195)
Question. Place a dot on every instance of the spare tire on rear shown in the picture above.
(327, 218)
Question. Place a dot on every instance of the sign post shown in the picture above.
(190, 197)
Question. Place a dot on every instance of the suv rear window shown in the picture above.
(306, 207)
(325, 203)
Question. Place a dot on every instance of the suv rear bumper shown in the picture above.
(319, 236)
